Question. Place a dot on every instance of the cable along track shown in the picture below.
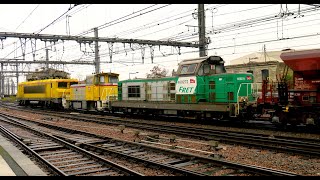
(184, 163)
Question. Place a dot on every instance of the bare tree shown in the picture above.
(157, 72)
(173, 73)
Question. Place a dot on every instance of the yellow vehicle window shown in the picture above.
(113, 79)
(102, 79)
(62, 84)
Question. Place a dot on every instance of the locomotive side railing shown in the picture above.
(106, 97)
(65, 95)
(254, 93)
(64, 99)
(110, 97)
(104, 90)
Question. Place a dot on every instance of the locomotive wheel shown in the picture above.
(283, 118)
(198, 117)
(243, 117)
(317, 123)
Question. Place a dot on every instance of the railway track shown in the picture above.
(62, 158)
(251, 124)
(306, 147)
(97, 146)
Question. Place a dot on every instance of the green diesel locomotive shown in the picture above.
(200, 89)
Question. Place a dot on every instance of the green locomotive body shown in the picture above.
(201, 88)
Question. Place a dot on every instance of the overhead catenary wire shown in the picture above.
(232, 30)
(244, 10)
(27, 17)
(22, 23)
(103, 26)
(222, 54)
(37, 32)
(195, 35)
(158, 22)
(114, 21)
(263, 31)
(243, 44)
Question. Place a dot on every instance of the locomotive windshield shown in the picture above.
(220, 69)
(204, 69)
(62, 84)
(72, 83)
(113, 79)
(102, 79)
(65, 84)
(188, 68)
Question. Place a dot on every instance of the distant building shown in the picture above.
(258, 57)
(255, 62)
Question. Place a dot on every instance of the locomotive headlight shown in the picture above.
(243, 99)
(286, 109)
(310, 121)
(275, 119)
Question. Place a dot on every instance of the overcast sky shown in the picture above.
(235, 30)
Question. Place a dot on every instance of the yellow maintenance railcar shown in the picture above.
(95, 93)
(48, 92)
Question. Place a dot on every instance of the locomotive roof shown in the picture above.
(201, 59)
(195, 60)
(50, 80)
(170, 78)
(106, 73)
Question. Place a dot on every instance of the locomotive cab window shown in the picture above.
(188, 68)
(113, 79)
(72, 83)
(204, 69)
(96, 80)
(62, 85)
(305, 98)
(102, 79)
(133, 91)
(220, 69)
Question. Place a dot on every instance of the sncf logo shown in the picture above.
(192, 81)
(248, 77)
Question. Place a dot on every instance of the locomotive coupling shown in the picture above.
(275, 119)
(310, 121)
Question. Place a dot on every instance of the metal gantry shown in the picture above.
(82, 39)
(24, 37)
